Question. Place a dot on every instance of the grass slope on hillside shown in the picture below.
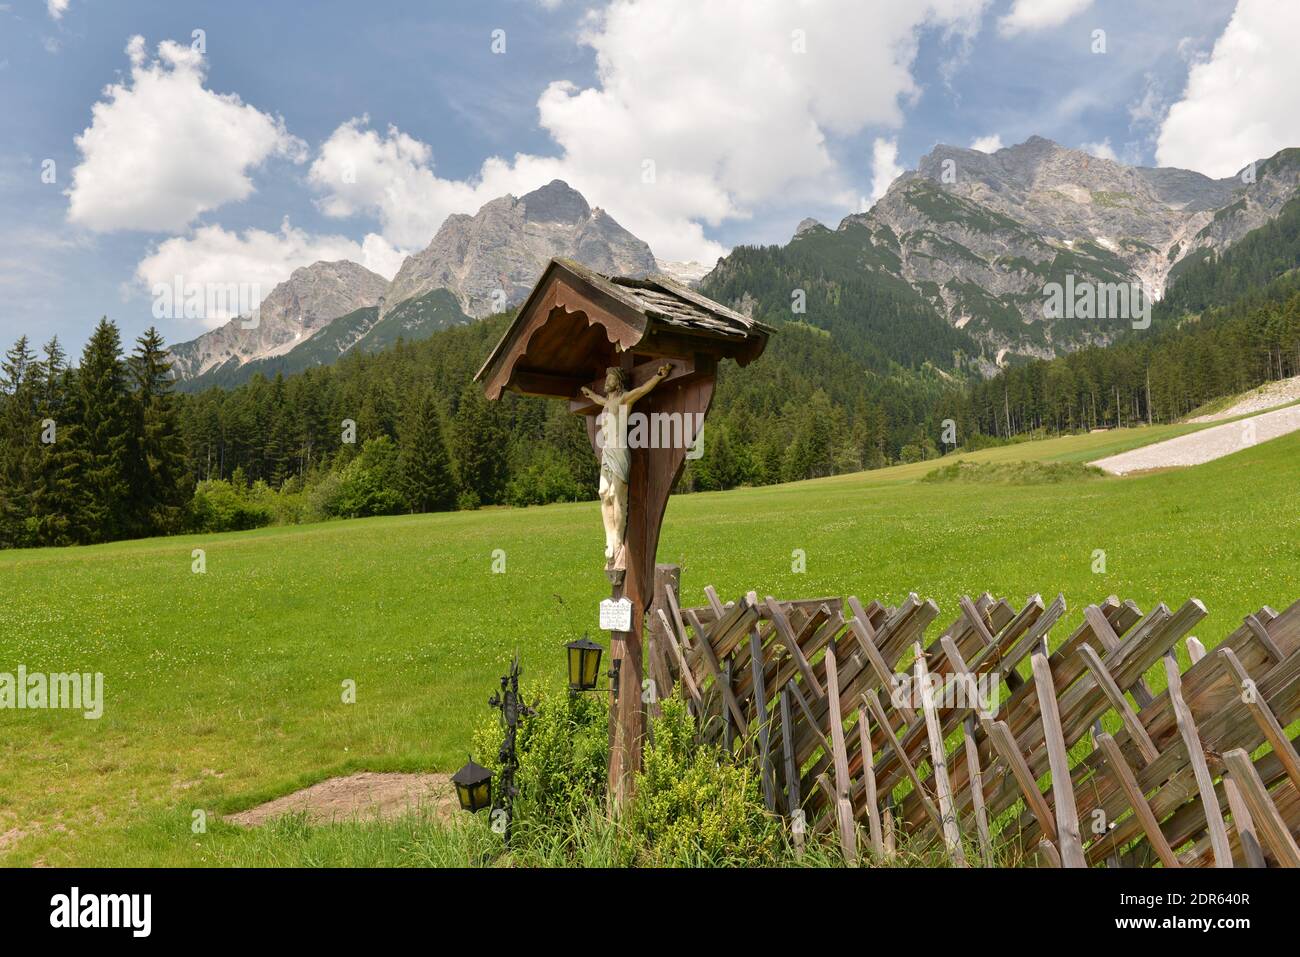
(225, 688)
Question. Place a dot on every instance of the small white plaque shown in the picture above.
(616, 615)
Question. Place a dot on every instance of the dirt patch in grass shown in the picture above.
(360, 797)
(10, 838)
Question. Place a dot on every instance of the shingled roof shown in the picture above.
(576, 321)
(659, 297)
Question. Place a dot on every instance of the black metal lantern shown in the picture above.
(584, 664)
(473, 787)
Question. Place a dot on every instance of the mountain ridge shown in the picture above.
(979, 236)
(484, 264)
(292, 313)
(968, 238)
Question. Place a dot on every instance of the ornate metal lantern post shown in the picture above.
(512, 709)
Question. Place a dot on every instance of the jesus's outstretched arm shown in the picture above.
(633, 395)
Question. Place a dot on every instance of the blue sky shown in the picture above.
(288, 132)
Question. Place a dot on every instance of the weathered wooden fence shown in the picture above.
(868, 731)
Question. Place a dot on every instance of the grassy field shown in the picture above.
(224, 688)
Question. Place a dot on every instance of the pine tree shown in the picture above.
(313, 422)
(425, 468)
(277, 456)
(479, 444)
(161, 487)
(51, 380)
(108, 435)
(378, 414)
(17, 367)
(18, 441)
(566, 434)
(55, 494)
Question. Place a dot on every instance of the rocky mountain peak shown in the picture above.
(1036, 163)
(483, 262)
(315, 294)
(489, 261)
(686, 272)
(296, 309)
(807, 224)
(556, 202)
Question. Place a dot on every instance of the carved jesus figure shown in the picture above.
(615, 457)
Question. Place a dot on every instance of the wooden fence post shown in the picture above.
(667, 578)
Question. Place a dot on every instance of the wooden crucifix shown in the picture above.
(616, 457)
(639, 358)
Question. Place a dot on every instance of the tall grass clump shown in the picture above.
(1014, 473)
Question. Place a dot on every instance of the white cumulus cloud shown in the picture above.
(162, 149)
(1028, 15)
(987, 144)
(1243, 102)
(390, 177)
(57, 8)
(1102, 150)
(884, 166)
(255, 257)
(701, 113)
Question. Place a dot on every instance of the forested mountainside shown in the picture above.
(976, 238)
(841, 283)
(948, 267)
(1230, 322)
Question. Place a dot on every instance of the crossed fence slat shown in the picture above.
(828, 697)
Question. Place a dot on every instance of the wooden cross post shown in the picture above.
(686, 392)
(573, 326)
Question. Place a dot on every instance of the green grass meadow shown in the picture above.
(224, 689)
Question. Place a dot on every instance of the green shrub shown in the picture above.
(221, 506)
(563, 753)
(322, 497)
(542, 482)
(695, 805)
(368, 485)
